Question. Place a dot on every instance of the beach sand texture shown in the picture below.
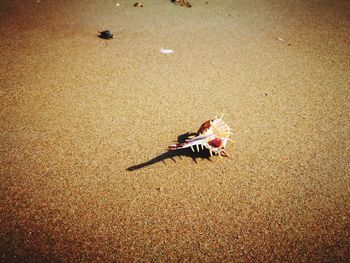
(85, 125)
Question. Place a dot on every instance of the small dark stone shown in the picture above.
(106, 34)
(265, 94)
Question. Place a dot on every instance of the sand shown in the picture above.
(85, 124)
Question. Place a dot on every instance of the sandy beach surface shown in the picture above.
(85, 123)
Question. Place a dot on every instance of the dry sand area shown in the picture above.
(85, 124)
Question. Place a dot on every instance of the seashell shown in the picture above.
(213, 135)
(166, 51)
(181, 2)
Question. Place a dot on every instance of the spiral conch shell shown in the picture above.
(213, 135)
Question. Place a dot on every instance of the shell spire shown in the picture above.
(212, 135)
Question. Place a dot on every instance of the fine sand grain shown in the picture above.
(85, 123)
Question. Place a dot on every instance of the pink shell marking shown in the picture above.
(212, 135)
